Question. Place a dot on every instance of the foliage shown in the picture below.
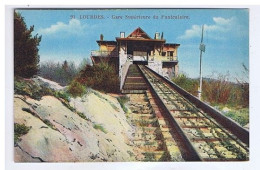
(84, 62)
(62, 94)
(82, 115)
(186, 83)
(26, 58)
(19, 130)
(30, 88)
(217, 90)
(244, 85)
(241, 116)
(222, 93)
(101, 76)
(48, 123)
(122, 100)
(99, 127)
(76, 89)
(148, 156)
(35, 91)
(61, 73)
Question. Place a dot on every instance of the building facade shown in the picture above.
(139, 48)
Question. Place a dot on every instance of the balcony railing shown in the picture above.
(171, 58)
(164, 58)
(104, 53)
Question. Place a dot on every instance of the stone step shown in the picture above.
(146, 122)
(152, 144)
(146, 136)
(164, 123)
(167, 135)
(134, 80)
(132, 91)
(142, 116)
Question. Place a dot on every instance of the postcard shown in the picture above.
(131, 85)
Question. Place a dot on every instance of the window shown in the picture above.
(163, 53)
(170, 53)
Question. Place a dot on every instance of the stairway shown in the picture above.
(147, 138)
(134, 82)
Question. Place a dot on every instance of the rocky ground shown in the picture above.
(91, 128)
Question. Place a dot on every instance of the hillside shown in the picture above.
(52, 127)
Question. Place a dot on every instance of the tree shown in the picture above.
(26, 57)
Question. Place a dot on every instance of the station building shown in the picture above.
(138, 48)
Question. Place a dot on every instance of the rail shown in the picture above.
(187, 114)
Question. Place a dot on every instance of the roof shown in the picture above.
(106, 42)
(139, 33)
(139, 39)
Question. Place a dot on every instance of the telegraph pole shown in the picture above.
(202, 49)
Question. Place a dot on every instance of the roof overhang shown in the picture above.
(169, 63)
(106, 42)
(140, 39)
(171, 44)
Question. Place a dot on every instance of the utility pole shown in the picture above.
(202, 49)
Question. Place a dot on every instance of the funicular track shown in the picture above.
(190, 130)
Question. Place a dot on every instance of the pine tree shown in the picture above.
(26, 57)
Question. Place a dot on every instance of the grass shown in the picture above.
(19, 130)
(82, 115)
(241, 116)
(149, 156)
(122, 100)
(62, 94)
(48, 123)
(99, 127)
(130, 153)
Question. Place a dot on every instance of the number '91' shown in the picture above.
(72, 17)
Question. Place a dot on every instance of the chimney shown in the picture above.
(101, 37)
(157, 36)
(122, 34)
(162, 36)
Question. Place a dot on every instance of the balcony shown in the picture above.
(173, 59)
(104, 54)
(170, 59)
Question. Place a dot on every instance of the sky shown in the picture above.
(71, 35)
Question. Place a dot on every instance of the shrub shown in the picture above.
(30, 88)
(19, 130)
(76, 89)
(190, 85)
(217, 91)
(101, 76)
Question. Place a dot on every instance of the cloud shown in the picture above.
(221, 25)
(73, 27)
